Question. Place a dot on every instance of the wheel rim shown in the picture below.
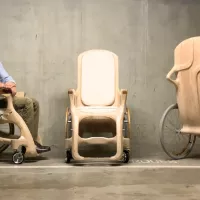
(18, 158)
(175, 144)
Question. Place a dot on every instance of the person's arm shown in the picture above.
(4, 76)
(6, 80)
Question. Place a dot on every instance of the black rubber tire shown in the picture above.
(68, 156)
(18, 158)
(126, 156)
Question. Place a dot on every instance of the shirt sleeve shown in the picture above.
(4, 76)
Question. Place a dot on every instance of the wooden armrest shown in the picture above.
(168, 77)
(124, 91)
(71, 91)
(20, 94)
(72, 96)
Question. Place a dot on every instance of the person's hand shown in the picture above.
(12, 86)
(2, 85)
(9, 85)
(1, 88)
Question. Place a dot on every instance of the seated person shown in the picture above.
(27, 108)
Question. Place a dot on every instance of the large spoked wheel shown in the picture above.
(176, 145)
(68, 132)
(126, 134)
(8, 129)
(127, 124)
(68, 124)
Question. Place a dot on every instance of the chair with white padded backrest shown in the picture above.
(98, 98)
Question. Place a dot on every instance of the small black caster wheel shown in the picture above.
(68, 156)
(126, 156)
(18, 157)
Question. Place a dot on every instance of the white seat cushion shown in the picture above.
(98, 78)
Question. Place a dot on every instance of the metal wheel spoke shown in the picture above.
(177, 139)
(171, 123)
(169, 128)
(187, 137)
(175, 147)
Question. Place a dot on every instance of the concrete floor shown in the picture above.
(99, 183)
(141, 179)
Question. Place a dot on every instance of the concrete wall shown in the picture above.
(41, 39)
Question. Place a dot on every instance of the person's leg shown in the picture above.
(36, 108)
(24, 107)
(28, 109)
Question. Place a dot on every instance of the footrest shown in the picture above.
(97, 140)
(39, 151)
(98, 159)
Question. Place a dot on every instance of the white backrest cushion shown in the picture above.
(98, 78)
